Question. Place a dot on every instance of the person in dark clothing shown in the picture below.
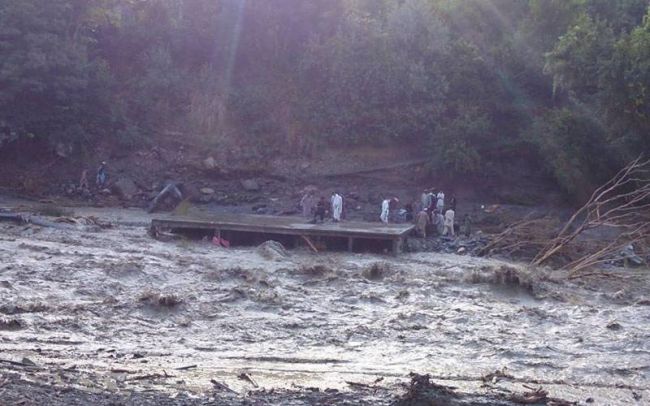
(321, 210)
(102, 176)
(431, 210)
(409, 212)
(452, 203)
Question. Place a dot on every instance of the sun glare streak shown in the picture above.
(234, 44)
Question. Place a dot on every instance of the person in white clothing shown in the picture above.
(337, 206)
(385, 209)
(449, 222)
(425, 200)
(440, 205)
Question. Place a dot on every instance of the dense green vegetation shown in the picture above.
(478, 83)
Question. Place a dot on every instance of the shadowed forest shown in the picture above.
(561, 85)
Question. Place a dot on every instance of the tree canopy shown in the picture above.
(476, 83)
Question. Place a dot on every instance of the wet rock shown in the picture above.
(614, 326)
(315, 271)
(250, 185)
(157, 299)
(272, 250)
(125, 188)
(377, 271)
(204, 199)
(10, 324)
(28, 362)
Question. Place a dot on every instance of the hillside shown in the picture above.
(503, 90)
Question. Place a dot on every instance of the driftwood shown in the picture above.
(620, 207)
(524, 238)
(623, 203)
(14, 218)
(247, 378)
(36, 220)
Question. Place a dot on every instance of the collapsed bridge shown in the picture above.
(291, 231)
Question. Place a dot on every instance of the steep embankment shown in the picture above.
(369, 172)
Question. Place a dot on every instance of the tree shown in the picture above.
(51, 88)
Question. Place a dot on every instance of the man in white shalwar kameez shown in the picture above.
(385, 210)
(337, 206)
(425, 200)
(449, 222)
(440, 204)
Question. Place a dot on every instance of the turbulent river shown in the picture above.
(115, 304)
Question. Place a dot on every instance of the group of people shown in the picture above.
(434, 214)
(101, 178)
(319, 209)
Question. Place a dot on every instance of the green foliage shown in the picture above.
(574, 147)
(50, 85)
(477, 83)
(581, 55)
(457, 146)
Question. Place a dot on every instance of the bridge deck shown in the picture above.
(288, 226)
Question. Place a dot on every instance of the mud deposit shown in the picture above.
(114, 316)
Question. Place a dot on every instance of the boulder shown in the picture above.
(210, 163)
(272, 250)
(207, 191)
(250, 185)
(63, 150)
(191, 192)
(125, 188)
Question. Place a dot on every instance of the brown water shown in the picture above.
(88, 299)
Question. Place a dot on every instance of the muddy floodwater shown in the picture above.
(113, 310)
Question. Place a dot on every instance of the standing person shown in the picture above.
(425, 199)
(440, 205)
(321, 210)
(83, 182)
(337, 206)
(467, 226)
(452, 202)
(439, 222)
(386, 206)
(421, 222)
(385, 211)
(432, 198)
(408, 215)
(102, 175)
(449, 222)
(307, 204)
